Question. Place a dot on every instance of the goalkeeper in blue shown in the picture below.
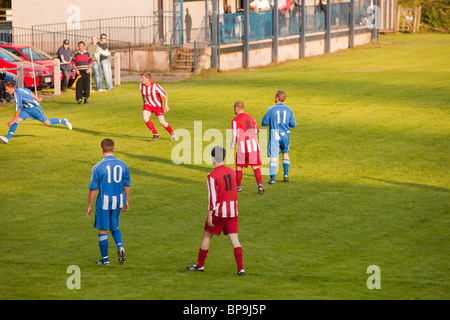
(27, 106)
(111, 178)
(280, 119)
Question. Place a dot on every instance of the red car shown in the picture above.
(39, 57)
(41, 77)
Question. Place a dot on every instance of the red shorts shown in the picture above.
(244, 159)
(227, 225)
(158, 111)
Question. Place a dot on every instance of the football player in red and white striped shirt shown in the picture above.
(222, 211)
(152, 95)
(246, 142)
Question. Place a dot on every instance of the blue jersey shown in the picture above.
(279, 118)
(24, 99)
(110, 176)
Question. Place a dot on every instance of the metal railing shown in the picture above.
(202, 40)
(261, 22)
(20, 83)
(137, 30)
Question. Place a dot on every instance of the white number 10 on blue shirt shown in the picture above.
(117, 174)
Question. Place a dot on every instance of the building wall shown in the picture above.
(55, 11)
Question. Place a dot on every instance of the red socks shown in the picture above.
(201, 258)
(168, 128)
(150, 125)
(238, 257)
(238, 177)
(258, 176)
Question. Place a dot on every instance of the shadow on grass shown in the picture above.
(411, 185)
(149, 158)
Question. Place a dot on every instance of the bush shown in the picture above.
(435, 13)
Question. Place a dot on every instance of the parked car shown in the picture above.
(39, 57)
(41, 77)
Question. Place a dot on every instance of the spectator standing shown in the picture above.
(93, 48)
(104, 61)
(82, 63)
(65, 55)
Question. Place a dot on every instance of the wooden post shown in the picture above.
(57, 77)
(302, 29)
(20, 81)
(245, 54)
(117, 68)
(328, 27)
(351, 37)
(275, 27)
(397, 23)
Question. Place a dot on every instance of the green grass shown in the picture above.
(369, 185)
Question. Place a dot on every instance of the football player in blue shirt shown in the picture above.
(280, 119)
(112, 180)
(27, 106)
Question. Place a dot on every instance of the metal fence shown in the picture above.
(139, 31)
(261, 22)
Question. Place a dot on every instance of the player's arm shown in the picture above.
(18, 99)
(166, 103)
(234, 137)
(211, 200)
(35, 98)
(265, 120)
(16, 116)
(126, 207)
(90, 202)
(292, 122)
(209, 219)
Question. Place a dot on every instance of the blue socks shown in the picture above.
(286, 163)
(103, 244)
(12, 129)
(272, 168)
(57, 121)
(117, 235)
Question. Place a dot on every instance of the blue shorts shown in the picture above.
(107, 219)
(33, 113)
(275, 145)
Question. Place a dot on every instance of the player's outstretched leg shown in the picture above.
(167, 126)
(12, 129)
(64, 121)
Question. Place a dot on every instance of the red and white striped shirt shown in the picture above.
(152, 94)
(222, 192)
(244, 133)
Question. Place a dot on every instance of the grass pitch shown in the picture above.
(369, 185)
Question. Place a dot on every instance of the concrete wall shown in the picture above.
(231, 56)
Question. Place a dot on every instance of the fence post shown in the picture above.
(117, 69)
(20, 82)
(57, 77)
(245, 54)
(328, 27)
(214, 34)
(302, 29)
(275, 31)
(351, 38)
